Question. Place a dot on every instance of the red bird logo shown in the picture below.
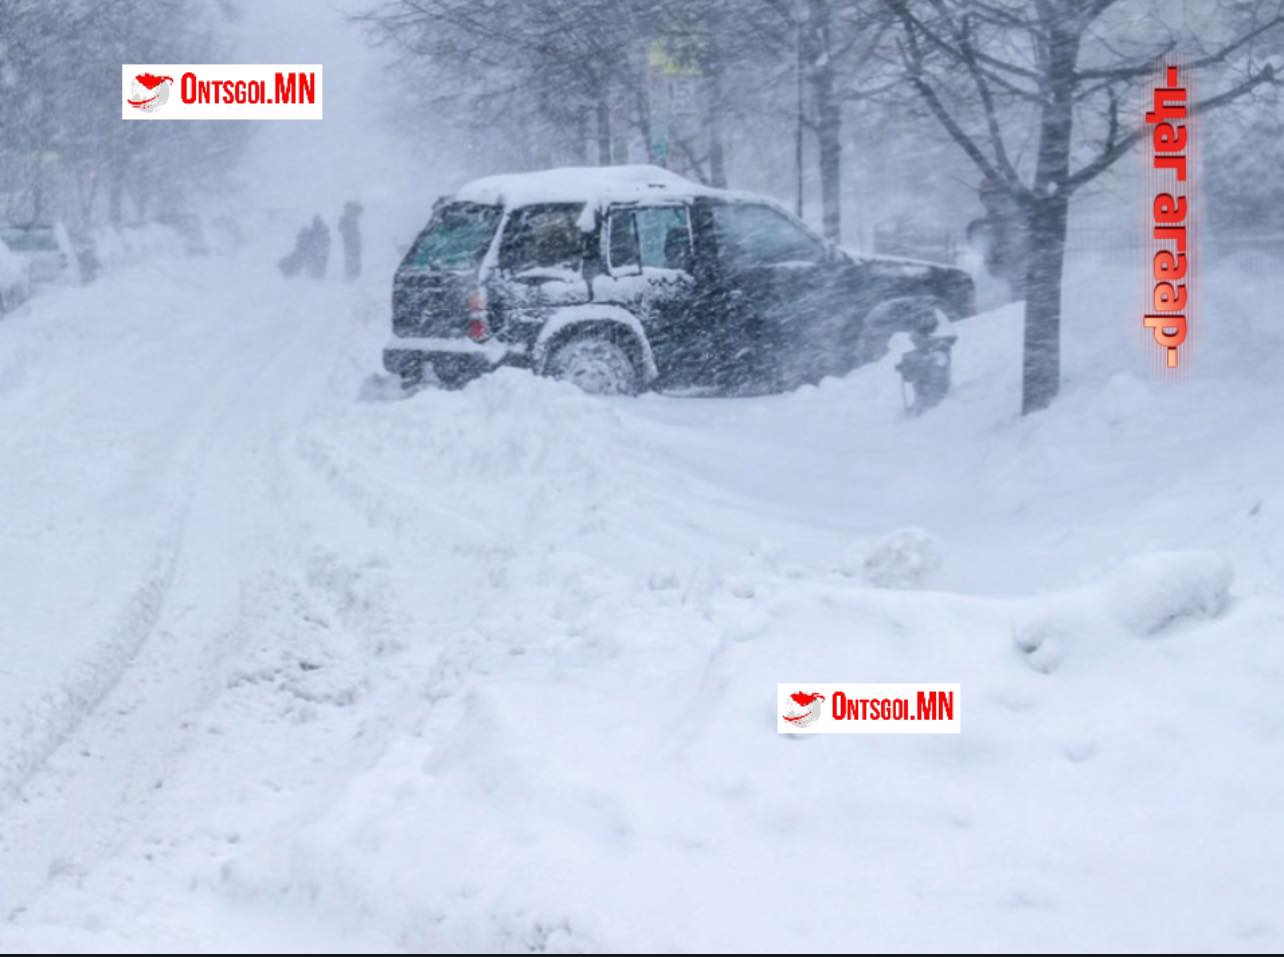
(149, 92)
(804, 708)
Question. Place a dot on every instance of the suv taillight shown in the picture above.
(478, 327)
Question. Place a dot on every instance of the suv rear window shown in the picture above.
(543, 237)
(456, 237)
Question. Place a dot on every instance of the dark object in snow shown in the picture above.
(925, 369)
(311, 251)
(51, 253)
(350, 233)
(622, 278)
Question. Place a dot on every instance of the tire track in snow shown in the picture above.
(87, 783)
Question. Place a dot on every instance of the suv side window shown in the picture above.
(665, 237)
(624, 255)
(753, 234)
(653, 237)
(542, 237)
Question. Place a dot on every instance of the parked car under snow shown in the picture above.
(52, 255)
(623, 278)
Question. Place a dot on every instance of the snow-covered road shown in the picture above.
(289, 662)
(146, 496)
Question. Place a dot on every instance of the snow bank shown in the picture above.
(592, 744)
(494, 669)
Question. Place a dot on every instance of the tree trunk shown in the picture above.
(820, 71)
(717, 153)
(717, 156)
(828, 118)
(581, 135)
(603, 129)
(1046, 212)
(38, 194)
(1041, 366)
(115, 195)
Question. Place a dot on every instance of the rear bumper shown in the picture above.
(403, 356)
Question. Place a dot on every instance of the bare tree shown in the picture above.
(571, 61)
(833, 48)
(990, 70)
(60, 137)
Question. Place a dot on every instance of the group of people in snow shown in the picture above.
(311, 253)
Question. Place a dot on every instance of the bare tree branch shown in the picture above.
(1119, 147)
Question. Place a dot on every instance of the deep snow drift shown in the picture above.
(294, 663)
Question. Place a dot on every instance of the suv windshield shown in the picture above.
(456, 237)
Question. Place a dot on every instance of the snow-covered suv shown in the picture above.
(620, 278)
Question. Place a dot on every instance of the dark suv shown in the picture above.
(622, 278)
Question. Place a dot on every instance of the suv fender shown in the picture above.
(567, 321)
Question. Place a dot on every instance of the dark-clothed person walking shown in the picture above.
(350, 233)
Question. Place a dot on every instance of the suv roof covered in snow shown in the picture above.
(592, 185)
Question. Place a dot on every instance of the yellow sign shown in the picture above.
(660, 55)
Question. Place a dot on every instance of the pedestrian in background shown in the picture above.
(291, 264)
(318, 248)
(350, 233)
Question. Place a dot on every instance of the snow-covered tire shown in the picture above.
(596, 365)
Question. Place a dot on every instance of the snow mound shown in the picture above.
(1143, 596)
(509, 426)
(1150, 592)
(904, 559)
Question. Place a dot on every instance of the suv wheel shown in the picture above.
(596, 365)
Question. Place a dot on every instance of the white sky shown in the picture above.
(308, 167)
